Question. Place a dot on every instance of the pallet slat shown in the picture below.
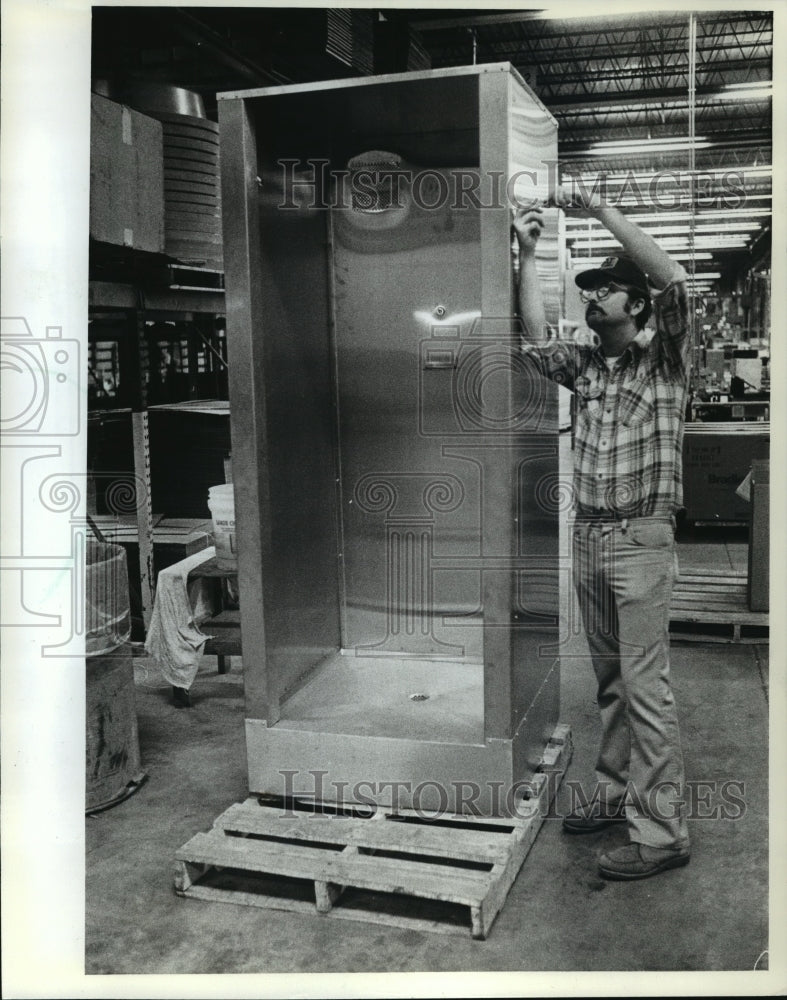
(705, 574)
(712, 600)
(361, 871)
(729, 617)
(720, 609)
(695, 587)
(465, 845)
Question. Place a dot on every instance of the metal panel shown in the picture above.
(420, 773)
(247, 399)
(537, 724)
(405, 295)
(533, 173)
(497, 533)
(282, 420)
(532, 157)
(300, 416)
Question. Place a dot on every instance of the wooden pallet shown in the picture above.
(712, 606)
(447, 873)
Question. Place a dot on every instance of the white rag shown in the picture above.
(174, 637)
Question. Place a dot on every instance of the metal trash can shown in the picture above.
(112, 765)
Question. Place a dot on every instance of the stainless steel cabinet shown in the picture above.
(395, 460)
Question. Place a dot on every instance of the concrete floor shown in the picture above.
(559, 914)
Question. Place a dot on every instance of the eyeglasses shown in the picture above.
(599, 294)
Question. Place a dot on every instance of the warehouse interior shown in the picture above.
(674, 109)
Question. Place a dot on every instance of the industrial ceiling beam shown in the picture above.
(613, 74)
(195, 31)
(618, 49)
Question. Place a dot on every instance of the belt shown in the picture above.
(598, 514)
(590, 515)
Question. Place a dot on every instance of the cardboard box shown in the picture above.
(126, 177)
(715, 462)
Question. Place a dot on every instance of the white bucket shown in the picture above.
(221, 502)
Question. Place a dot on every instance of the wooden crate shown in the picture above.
(712, 606)
(442, 873)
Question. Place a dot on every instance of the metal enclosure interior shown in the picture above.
(395, 460)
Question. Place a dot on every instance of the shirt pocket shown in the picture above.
(636, 404)
(589, 397)
(588, 417)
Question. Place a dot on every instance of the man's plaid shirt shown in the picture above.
(630, 419)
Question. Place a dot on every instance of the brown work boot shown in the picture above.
(633, 861)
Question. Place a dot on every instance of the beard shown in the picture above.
(595, 317)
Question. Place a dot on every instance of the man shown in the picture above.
(630, 392)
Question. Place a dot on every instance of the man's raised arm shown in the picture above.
(660, 268)
(528, 224)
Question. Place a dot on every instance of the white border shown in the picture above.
(45, 180)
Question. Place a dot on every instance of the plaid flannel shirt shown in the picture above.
(629, 420)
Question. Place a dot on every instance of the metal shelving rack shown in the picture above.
(134, 307)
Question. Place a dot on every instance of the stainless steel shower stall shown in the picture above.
(395, 459)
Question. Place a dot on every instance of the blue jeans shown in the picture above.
(623, 575)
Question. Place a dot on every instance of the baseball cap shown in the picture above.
(621, 269)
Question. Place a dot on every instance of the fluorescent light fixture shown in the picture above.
(757, 94)
(676, 255)
(726, 213)
(675, 140)
(670, 243)
(683, 176)
(755, 90)
(665, 238)
(749, 87)
(673, 229)
(584, 263)
(669, 218)
(623, 147)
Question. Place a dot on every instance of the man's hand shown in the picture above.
(528, 224)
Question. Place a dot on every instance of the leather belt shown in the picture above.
(597, 514)
(590, 515)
